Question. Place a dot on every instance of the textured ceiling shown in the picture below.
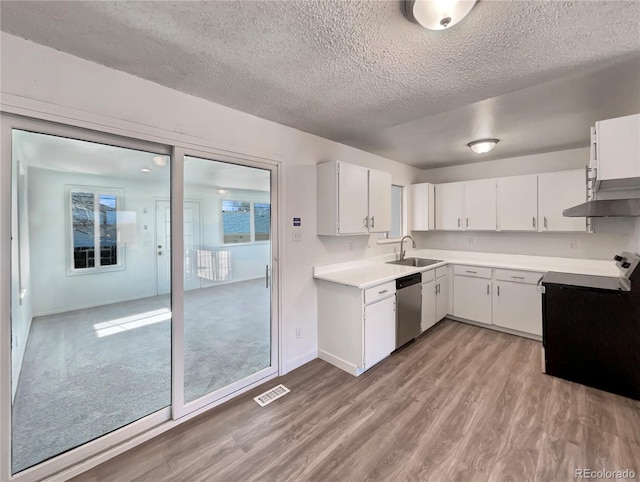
(342, 70)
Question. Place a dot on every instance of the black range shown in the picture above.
(591, 328)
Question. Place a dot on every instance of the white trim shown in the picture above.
(340, 363)
(303, 359)
(496, 328)
(93, 305)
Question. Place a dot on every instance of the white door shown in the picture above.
(379, 201)
(518, 306)
(353, 205)
(428, 305)
(379, 330)
(480, 205)
(472, 298)
(443, 292)
(448, 207)
(558, 191)
(517, 201)
(163, 245)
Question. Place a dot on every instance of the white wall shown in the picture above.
(84, 90)
(610, 236)
(636, 245)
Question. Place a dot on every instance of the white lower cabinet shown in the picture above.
(500, 297)
(356, 328)
(379, 331)
(472, 298)
(428, 305)
(436, 298)
(443, 294)
(517, 303)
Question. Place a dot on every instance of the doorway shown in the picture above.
(163, 245)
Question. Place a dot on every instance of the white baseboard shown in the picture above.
(340, 363)
(298, 361)
(93, 305)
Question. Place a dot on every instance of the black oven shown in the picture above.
(591, 328)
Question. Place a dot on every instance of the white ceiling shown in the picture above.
(359, 72)
(88, 158)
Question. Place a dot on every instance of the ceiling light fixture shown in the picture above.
(146, 170)
(222, 191)
(160, 161)
(437, 14)
(482, 146)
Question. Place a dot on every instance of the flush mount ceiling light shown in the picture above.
(160, 161)
(437, 14)
(482, 146)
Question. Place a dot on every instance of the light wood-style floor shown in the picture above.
(461, 403)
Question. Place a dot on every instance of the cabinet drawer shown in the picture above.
(530, 277)
(428, 275)
(441, 271)
(378, 292)
(475, 271)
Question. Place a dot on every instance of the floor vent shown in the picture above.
(269, 396)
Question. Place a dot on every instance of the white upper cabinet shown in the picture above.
(352, 199)
(517, 203)
(379, 201)
(448, 209)
(558, 191)
(421, 207)
(617, 152)
(480, 205)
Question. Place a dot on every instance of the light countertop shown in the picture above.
(371, 272)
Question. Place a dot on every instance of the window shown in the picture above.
(397, 230)
(94, 228)
(245, 221)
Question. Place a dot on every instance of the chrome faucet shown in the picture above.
(402, 253)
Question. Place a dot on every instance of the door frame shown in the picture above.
(31, 115)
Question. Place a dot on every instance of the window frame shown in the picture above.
(118, 193)
(403, 222)
(252, 222)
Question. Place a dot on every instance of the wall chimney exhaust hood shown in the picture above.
(604, 208)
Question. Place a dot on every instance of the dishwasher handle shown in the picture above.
(412, 279)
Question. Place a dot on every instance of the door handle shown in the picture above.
(266, 275)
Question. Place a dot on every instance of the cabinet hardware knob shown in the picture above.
(545, 223)
(498, 290)
(472, 272)
(366, 221)
(382, 292)
(467, 222)
(518, 277)
(458, 222)
(487, 289)
(534, 221)
(373, 221)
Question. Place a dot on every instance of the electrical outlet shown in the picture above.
(298, 333)
(297, 235)
(573, 244)
(470, 240)
(350, 246)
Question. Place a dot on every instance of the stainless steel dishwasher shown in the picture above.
(409, 308)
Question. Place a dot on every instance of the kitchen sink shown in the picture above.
(417, 262)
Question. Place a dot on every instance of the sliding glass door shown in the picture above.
(143, 288)
(91, 337)
(228, 336)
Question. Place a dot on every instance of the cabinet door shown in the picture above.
(472, 298)
(353, 182)
(517, 200)
(480, 205)
(443, 297)
(518, 306)
(448, 207)
(379, 330)
(428, 305)
(379, 201)
(421, 201)
(618, 147)
(558, 191)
